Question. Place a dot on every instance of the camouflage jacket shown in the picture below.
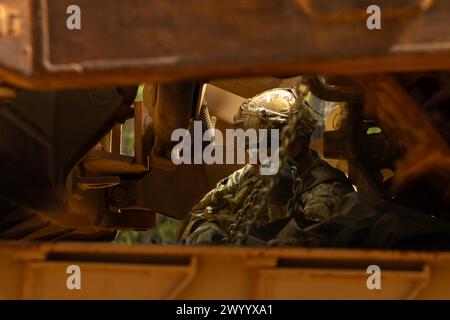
(322, 188)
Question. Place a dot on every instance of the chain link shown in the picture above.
(248, 215)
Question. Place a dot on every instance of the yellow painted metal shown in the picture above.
(110, 271)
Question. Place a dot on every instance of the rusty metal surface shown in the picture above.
(173, 108)
(132, 41)
(38, 271)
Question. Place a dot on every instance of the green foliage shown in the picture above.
(127, 147)
(164, 232)
(373, 130)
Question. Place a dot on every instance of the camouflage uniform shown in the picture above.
(322, 188)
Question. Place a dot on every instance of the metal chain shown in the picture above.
(242, 213)
(293, 204)
(248, 215)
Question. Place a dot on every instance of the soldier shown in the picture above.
(305, 190)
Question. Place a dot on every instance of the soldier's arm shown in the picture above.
(320, 201)
(201, 225)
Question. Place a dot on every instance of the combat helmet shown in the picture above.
(272, 109)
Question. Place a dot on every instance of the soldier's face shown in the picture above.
(297, 149)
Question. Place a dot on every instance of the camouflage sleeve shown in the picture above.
(202, 215)
(320, 201)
